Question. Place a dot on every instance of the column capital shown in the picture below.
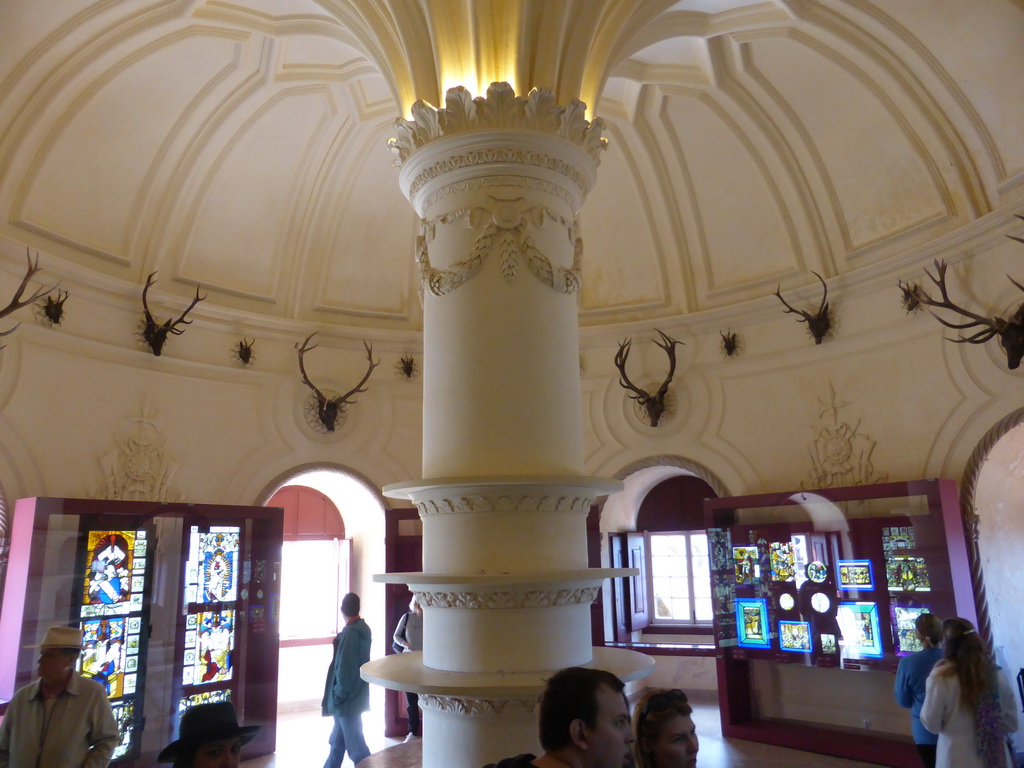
(500, 109)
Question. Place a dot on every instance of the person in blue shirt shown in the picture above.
(911, 676)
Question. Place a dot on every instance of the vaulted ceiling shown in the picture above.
(241, 144)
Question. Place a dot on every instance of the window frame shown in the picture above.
(668, 626)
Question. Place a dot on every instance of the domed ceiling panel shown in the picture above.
(744, 229)
(124, 114)
(241, 230)
(880, 181)
(369, 264)
(969, 68)
(622, 266)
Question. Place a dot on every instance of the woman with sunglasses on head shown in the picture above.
(968, 702)
(665, 734)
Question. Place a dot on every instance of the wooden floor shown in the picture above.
(302, 743)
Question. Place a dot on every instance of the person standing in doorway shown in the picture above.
(409, 637)
(346, 694)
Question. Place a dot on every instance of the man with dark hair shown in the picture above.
(61, 720)
(583, 722)
(346, 694)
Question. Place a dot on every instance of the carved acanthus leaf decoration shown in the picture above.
(501, 600)
(499, 109)
(476, 707)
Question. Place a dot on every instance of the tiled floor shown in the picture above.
(302, 743)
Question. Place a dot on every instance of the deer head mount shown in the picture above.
(730, 343)
(406, 367)
(652, 402)
(51, 311)
(18, 301)
(155, 335)
(243, 352)
(328, 408)
(819, 322)
(1010, 331)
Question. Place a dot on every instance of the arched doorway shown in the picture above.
(355, 516)
(315, 575)
(992, 502)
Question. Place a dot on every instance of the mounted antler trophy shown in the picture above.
(407, 368)
(1010, 332)
(328, 408)
(51, 311)
(730, 342)
(156, 335)
(243, 352)
(819, 323)
(17, 302)
(652, 403)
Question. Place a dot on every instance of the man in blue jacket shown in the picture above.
(346, 694)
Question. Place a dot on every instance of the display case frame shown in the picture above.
(44, 587)
(844, 524)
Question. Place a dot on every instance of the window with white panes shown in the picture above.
(680, 578)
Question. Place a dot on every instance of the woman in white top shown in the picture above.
(968, 702)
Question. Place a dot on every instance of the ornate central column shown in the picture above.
(498, 183)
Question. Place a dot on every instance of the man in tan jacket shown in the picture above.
(61, 720)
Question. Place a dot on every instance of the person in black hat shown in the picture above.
(209, 736)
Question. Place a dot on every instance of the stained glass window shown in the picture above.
(211, 588)
(111, 619)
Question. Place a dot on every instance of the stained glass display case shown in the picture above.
(810, 585)
(178, 604)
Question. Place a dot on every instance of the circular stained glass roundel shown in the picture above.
(786, 601)
(816, 571)
(820, 602)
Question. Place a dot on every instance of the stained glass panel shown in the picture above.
(208, 648)
(105, 653)
(114, 581)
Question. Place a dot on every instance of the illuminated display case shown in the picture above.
(830, 579)
(178, 603)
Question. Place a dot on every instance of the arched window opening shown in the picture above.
(668, 546)
(671, 520)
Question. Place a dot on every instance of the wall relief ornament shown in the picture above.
(480, 707)
(552, 598)
(500, 109)
(507, 234)
(840, 453)
(139, 468)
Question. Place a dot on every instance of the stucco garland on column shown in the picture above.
(500, 109)
(508, 233)
(476, 707)
(499, 600)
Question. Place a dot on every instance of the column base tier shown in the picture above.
(405, 672)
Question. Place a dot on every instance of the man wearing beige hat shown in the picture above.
(61, 720)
